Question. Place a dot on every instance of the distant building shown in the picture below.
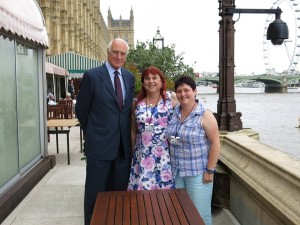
(121, 28)
(75, 27)
(79, 27)
(78, 38)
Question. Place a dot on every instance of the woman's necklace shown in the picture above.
(152, 98)
(149, 118)
(176, 138)
(184, 117)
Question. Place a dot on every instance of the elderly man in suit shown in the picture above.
(103, 109)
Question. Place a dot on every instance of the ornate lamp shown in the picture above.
(158, 38)
(227, 117)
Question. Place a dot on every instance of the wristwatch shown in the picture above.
(210, 171)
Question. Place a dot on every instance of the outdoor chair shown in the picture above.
(67, 108)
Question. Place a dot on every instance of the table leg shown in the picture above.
(57, 149)
(80, 130)
(68, 147)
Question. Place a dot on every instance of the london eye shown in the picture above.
(284, 59)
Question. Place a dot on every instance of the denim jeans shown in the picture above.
(200, 193)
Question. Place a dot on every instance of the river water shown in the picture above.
(273, 115)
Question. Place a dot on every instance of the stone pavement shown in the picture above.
(58, 198)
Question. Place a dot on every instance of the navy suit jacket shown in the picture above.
(103, 123)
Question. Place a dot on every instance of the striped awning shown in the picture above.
(24, 18)
(76, 64)
(55, 70)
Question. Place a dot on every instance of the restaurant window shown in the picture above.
(28, 103)
(20, 110)
(9, 165)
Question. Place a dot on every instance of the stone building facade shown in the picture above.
(121, 28)
(78, 26)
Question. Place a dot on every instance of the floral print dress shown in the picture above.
(151, 166)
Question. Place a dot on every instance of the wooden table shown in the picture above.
(63, 123)
(156, 207)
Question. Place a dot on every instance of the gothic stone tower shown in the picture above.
(121, 28)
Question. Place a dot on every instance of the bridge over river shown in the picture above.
(272, 83)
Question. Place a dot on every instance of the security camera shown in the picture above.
(277, 32)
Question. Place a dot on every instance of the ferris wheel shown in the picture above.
(284, 58)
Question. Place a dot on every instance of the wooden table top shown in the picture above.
(62, 122)
(155, 207)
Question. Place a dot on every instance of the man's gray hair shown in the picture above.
(118, 39)
(50, 95)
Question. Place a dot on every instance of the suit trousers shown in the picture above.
(101, 176)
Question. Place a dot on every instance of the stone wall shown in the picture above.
(264, 182)
(75, 26)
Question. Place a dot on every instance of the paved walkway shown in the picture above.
(58, 198)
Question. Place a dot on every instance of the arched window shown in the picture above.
(126, 37)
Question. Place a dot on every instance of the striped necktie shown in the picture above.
(118, 89)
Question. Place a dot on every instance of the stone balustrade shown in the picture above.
(264, 182)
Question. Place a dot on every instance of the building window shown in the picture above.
(126, 37)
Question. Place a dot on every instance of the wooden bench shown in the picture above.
(155, 207)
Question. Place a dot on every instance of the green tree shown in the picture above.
(137, 75)
(147, 54)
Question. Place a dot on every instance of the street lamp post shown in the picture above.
(158, 38)
(227, 117)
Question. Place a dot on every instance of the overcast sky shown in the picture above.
(192, 25)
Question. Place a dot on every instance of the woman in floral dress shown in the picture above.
(152, 109)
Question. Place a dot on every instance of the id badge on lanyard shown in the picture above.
(175, 140)
(149, 127)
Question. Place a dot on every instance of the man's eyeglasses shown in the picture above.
(123, 54)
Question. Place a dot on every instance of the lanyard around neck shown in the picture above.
(151, 109)
(184, 120)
